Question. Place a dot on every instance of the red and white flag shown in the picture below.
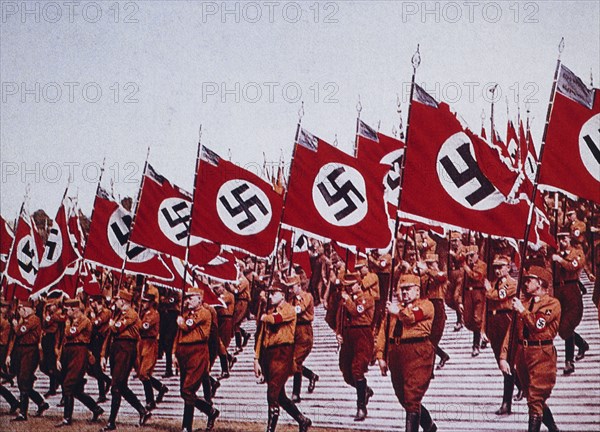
(59, 256)
(6, 241)
(24, 262)
(530, 163)
(108, 239)
(444, 180)
(222, 268)
(377, 148)
(235, 207)
(334, 195)
(512, 143)
(571, 160)
(296, 249)
(162, 221)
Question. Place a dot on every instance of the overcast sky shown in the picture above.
(88, 80)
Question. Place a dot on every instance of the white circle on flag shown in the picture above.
(462, 193)
(243, 207)
(27, 259)
(391, 180)
(589, 138)
(53, 248)
(174, 215)
(118, 229)
(340, 195)
(530, 167)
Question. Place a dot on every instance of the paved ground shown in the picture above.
(462, 397)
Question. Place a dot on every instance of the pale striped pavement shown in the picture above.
(462, 397)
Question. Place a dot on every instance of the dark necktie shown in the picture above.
(398, 329)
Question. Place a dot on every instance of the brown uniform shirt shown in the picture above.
(416, 319)
(371, 283)
(570, 270)
(100, 321)
(382, 264)
(501, 294)
(280, 326)
(28, 331)
(577, 229)
(126, 325)
(4, 330)
(541, 321)
(229, 300)
(458, 258)
(304, 306)
(475, 277)
(196, 326)
(242, 292)
(78, 331)
(150, 324)
(358, 310)
(52, 320)
(433, 284)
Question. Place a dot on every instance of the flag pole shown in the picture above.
(416, 61)
(189, 234)
(91, 219)
(139, 196)
(277, 239)
(12, 246)
(358, 110)
(523, 252)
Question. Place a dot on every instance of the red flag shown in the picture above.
(334, 195)
(502, 176)
(107, 241)
(296, 247)
(512, 143)
(177, 268)
(59, 253)
(23, 262)
(222, 268)
(345, 255)
(571, 158)
(163, 219)
(235, 207)
(6, 240)
(377, 148)
(530, 163)
(76, 231)
(522, 145)
(443, 179)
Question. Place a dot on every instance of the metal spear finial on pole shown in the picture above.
(358, 106)
(301, 112)
(416, 59)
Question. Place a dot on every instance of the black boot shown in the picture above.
(535, 423)
(238, 342)
(149, 393)
(162, 389)
(361, 400)
(53, 385)
(312, 378)
(509, 383)
(297, 387)
(290, 407)
(214, 386)
(115, 404)
(10, 398)
(426, 421)
(245, 338)
(212, 416)
(444, 357)
(476, 343)
(224, 366)
(188, 418)
(582, 346)
(23, 407)
(67, 411)
(412, 422)
(548, 420)
(273, 417)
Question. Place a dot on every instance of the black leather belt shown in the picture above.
(303, 323)
(279, 345)
(526, 342)
(192, 343)
(499, 311)
(400, 341)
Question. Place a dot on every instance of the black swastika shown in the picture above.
(179, 220)
(243, 206)
(393, 177)
(472, 172)
(341, 193)
(593, 147)
(29, 267)
(51, 245)
(122, 237)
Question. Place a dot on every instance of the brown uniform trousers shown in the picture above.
(148, 344)
(355, 317)
(434, 286)
(567, 292)
(276, 352)
(191, 350)
(242, 297)
(75, 360)
(303, 337)
(225, 316)
(535, 358)
(99, 333)
(473, 296)
(499, 311)
(410, 352)
(123, 356)
(25, 358)
(52, 327)
(456, 276)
